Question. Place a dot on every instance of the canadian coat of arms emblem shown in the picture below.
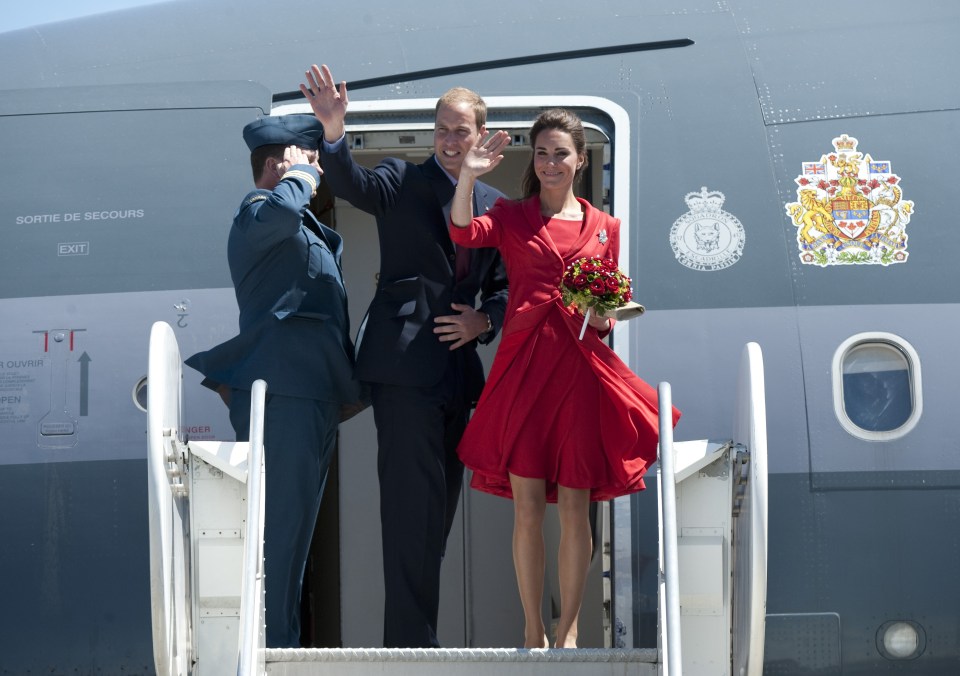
(851, 210)
(707, 238)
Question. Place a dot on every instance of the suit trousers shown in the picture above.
(418, 429)
(299, 436)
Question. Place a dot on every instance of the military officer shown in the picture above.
(295, 335)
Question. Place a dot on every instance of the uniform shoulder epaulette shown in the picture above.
(254, 197)
(251, 198)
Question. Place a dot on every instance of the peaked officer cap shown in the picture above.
(299, 130)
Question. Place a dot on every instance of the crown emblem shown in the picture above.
(845, 144)
(705, 200)
(707, 238)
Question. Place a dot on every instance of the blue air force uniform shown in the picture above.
(295, 335)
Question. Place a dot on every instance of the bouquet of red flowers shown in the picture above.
(595, 284)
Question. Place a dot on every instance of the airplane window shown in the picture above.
(876, 387)
(140, 394)
(878, 378)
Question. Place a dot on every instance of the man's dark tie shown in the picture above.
(462, 263)
(462, 259)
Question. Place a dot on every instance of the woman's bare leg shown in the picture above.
(574, 558)
(529, 505)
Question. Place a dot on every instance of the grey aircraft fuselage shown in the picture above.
(783, 175)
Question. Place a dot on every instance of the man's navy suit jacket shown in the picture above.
(417, 281)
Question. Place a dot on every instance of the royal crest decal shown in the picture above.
(850, 210)
(707, 237)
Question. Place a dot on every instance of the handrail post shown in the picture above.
(251, 590)
(668, 505)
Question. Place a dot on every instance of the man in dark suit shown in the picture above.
(417, 346)
(295, 335)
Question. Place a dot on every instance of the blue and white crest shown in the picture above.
(707, 238)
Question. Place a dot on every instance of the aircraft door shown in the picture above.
(479, 605)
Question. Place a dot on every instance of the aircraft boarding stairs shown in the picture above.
(206, 555)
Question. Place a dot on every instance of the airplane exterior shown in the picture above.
(782, 174)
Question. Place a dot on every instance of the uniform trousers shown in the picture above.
(418, 429)
(299, 436)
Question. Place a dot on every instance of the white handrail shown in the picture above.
(750, 429)
(672, 658)
(169, 587)
(251, 646)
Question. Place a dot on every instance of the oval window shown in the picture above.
(877, 386)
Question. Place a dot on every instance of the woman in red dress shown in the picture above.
(560, 419)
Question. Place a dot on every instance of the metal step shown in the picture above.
(472, 661)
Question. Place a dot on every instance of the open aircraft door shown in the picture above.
(713, 538)
(206, 533)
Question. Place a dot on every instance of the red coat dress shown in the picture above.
(555, 407)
